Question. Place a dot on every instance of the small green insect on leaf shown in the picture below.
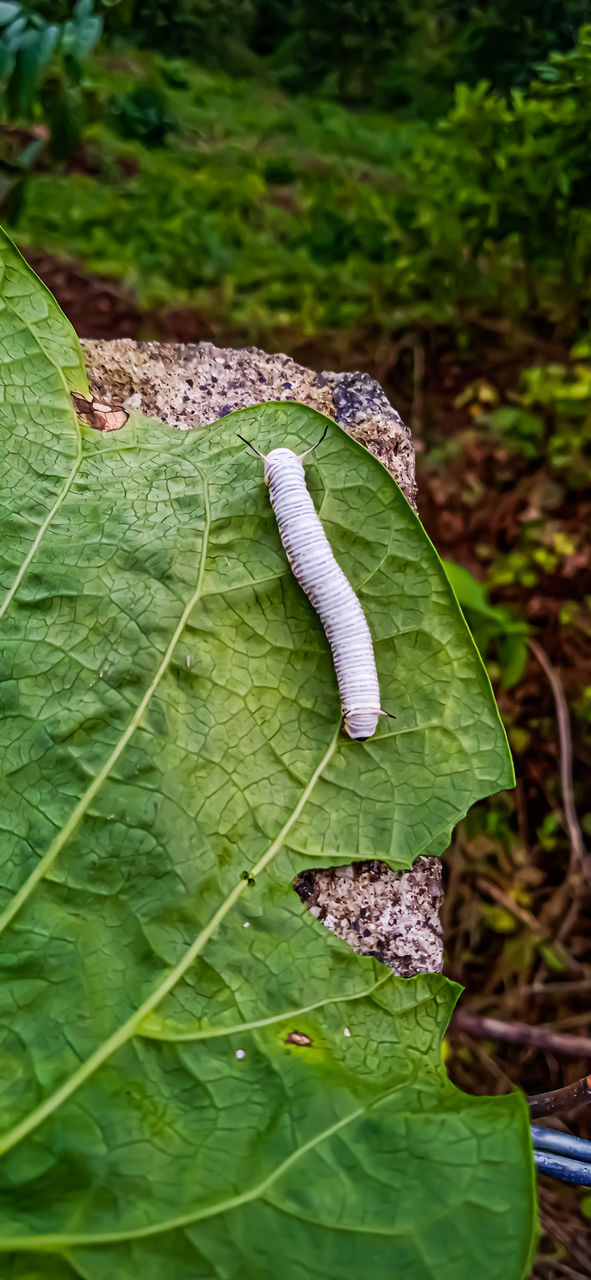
(198, 1080)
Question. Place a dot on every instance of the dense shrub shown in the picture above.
(388, 53)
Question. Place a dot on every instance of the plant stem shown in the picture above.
(519, 1033)
(578, 866)
(570, 1098)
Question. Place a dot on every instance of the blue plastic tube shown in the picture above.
(559, 1155)
(562, 1143)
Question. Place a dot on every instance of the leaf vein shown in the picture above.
(129, 1028)
(80, 810)
(215, 1033)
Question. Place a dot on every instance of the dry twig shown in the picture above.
(513, 907)
(472, 1024)
(577, 865)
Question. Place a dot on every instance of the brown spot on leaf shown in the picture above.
(299, 1037)
(99, 416)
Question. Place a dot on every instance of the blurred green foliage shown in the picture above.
(545, 424)
(277, 214)
(40, 83)
(550, 412)
(29, 45)
(383, 53)
(496, 630)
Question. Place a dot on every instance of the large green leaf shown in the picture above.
(172, 756)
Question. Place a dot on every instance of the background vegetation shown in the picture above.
(404, 188)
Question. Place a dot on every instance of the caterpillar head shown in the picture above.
(279, 459)
(361, 722)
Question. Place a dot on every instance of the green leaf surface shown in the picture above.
(34, 328)
(171, 758)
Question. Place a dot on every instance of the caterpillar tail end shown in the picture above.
(361, 723)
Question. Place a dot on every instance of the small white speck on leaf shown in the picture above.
(246, 924)
(240, 1053)
(188, 660)
(346, 1032)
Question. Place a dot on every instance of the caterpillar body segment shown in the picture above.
(328, 590)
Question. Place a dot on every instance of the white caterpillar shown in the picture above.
(311, 558)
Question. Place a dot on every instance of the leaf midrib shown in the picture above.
(78, 813)
(128, 1029)
(67, 485)
(57, 1243)
(217, 1033)
(70, 412)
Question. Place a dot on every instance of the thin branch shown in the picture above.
(472, 1024)
(549, 990)
(572, 1020)
(575, 835)
(513, 907)
(570, 1098)
(560, 1227)
(418, 388)
(561, 1267)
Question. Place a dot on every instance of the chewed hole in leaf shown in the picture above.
(391, 916)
